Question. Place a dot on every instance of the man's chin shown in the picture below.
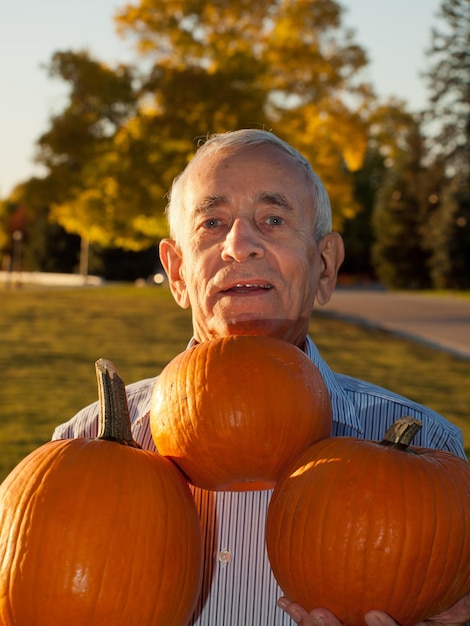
(272, 328)
(293, 331)
(279, 328)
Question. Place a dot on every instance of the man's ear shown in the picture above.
(331, 249)
(172, 261)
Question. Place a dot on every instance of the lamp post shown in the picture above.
(84, 254)
(16, 256)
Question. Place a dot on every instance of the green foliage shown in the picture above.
(96, 187)
(447, 235)
(357, 231)
(420, 219)
(4, 234)
(207, 67)
(401, 209)
(52, 337)
(449, 87)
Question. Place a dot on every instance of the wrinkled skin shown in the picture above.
(246, 260)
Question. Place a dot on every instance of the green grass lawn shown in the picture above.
(50, 339)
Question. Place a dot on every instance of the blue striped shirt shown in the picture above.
(238, 586)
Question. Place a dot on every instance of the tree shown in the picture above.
(100, 100)
(390, 127)
(402, 206)
(45, 246)
(4, 234)
(289, 66)
(86, 152)
(358, 233)
(448, 80)
(206, 67)
(447, 235)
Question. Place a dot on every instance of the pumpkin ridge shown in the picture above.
(403, 551)
(460, 566)
(410, 566)
(88, 524)
(249, 405)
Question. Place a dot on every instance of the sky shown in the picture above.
(395, 34)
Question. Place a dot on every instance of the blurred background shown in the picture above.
(103, 102)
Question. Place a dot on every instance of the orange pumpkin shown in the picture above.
(232, 412)
(98, 531)
(356, 525)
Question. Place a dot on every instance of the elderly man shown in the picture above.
(251, 251)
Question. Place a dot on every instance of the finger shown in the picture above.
(293, 610)
(378, 618)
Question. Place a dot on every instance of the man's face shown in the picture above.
(247, 261)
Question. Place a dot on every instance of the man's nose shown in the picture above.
(243, 241)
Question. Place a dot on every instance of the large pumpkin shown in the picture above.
(98, 531)
(232, 412)
(357, 525)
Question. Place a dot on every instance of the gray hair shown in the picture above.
(240, 139)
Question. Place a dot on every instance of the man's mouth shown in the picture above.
(248, 287)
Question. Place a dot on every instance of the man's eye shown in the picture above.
(274, 220)
(211, 223)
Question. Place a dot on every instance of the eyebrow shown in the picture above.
(275, 199)
(213, 201)
(210, 202)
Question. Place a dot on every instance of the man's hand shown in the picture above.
(457, 615)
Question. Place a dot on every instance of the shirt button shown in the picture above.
(224, 557)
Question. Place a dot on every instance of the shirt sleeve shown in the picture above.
(377, 408)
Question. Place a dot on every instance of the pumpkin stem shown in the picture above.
(401, 433)
(114, 423)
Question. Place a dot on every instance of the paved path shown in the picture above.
(442, 322)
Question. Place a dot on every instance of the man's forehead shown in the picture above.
(227, 173)
(275, 168)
